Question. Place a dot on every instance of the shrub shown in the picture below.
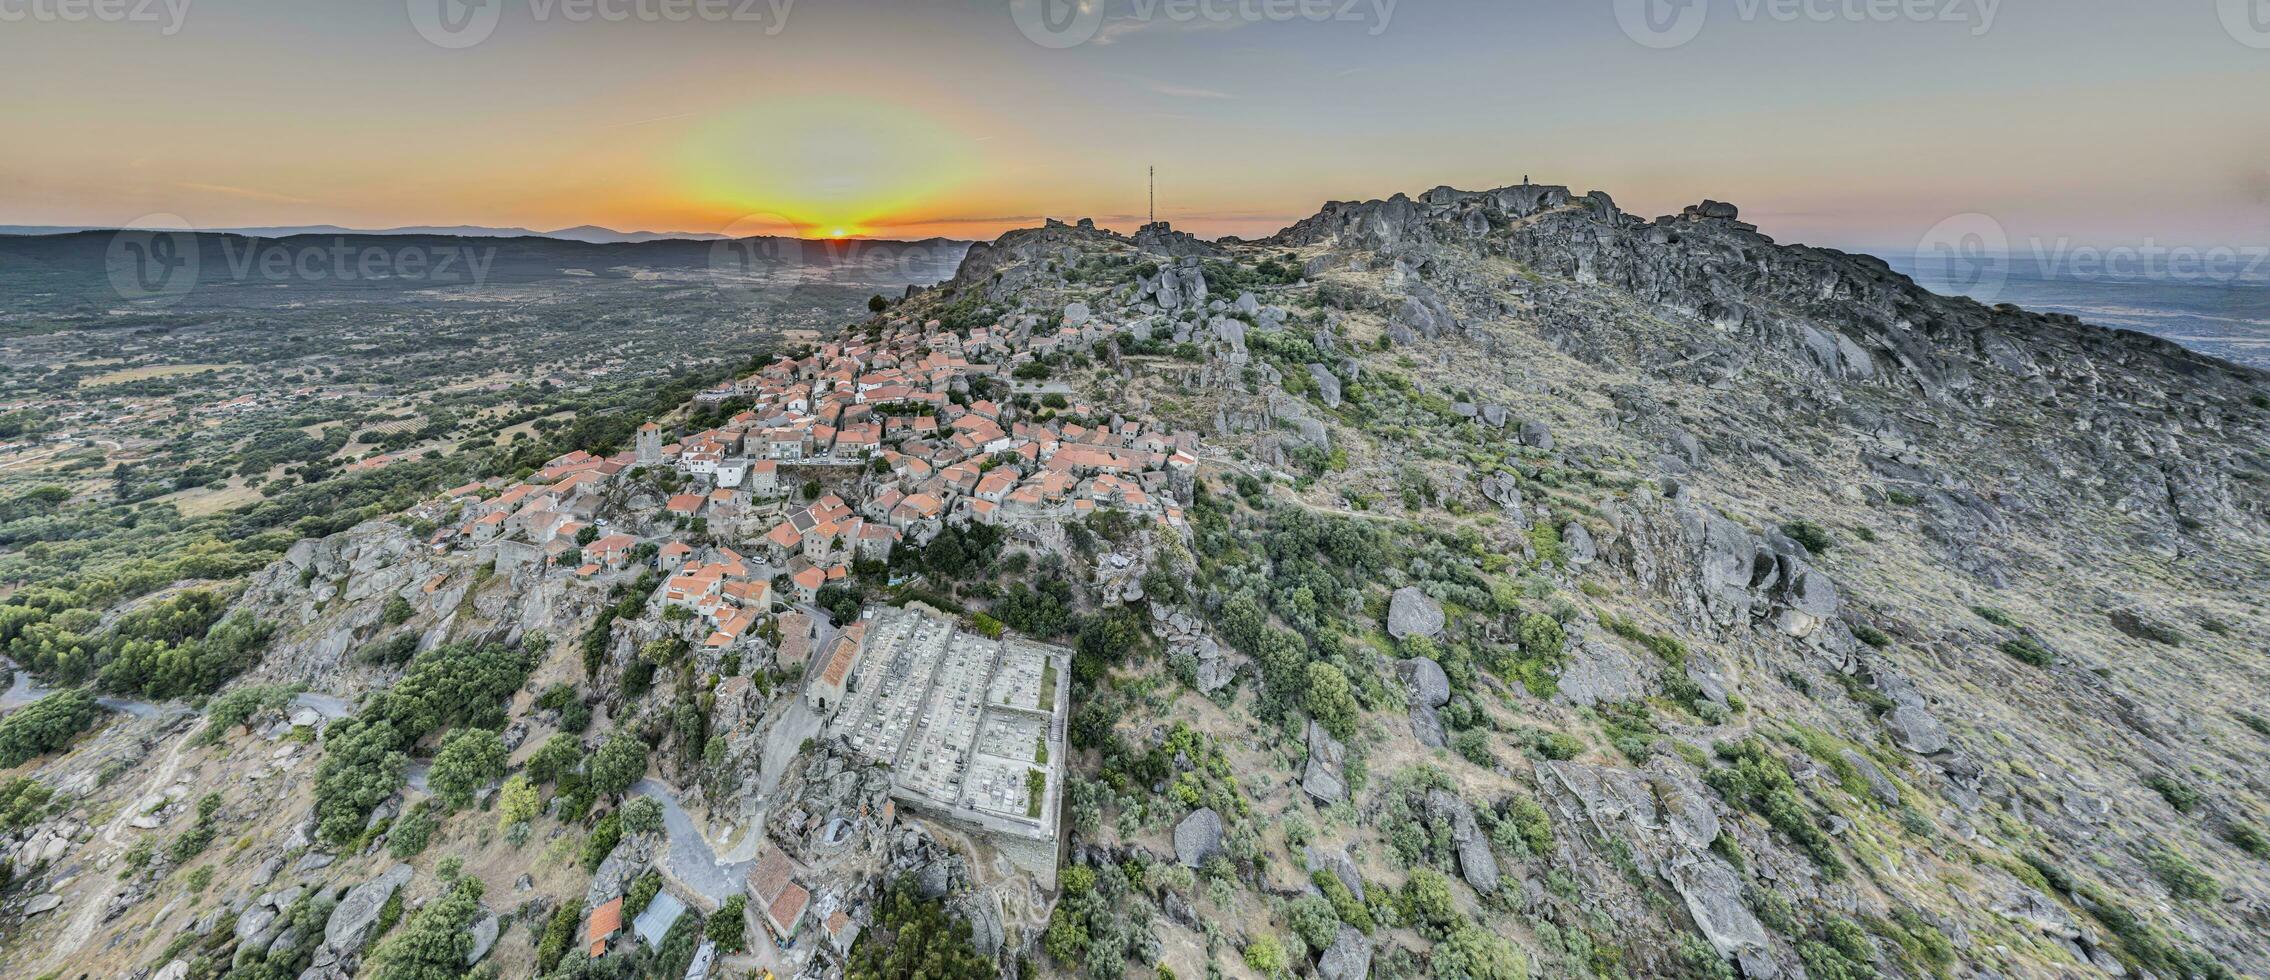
(1312, 918)
(237, 707)
(23, 802)
(1265, 955)
(1541, 636)
(1473, 953)
(1427, 901)
(361, 767)
(1760, 783)
(410, 834)
(1345, 904)
(560, 755)
(1523, 826)
(1474, 745)
(1814, 537)
(642, 892)
(2179, 794)
(2183, 878)
(1557, 746)
(604, 836)
(1331, 701)
(396, 612)
(2028, 650)
(2246, 838)
(559, 934)
(1997, 617)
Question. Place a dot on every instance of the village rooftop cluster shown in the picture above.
(921, 426)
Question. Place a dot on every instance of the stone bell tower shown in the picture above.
(649, 444)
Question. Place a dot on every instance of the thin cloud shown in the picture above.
(1176, 90)
(1117, 29)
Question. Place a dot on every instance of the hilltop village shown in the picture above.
(926, 428)
(821, 466)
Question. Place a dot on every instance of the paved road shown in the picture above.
(330, 707)
(690, 858)
(23, 690)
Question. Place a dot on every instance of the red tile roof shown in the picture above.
(606, 920)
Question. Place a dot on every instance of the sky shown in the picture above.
(1850, 123)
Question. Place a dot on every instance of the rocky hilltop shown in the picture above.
(1482, 585)
(1985, 583)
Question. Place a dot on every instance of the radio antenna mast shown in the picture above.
(1154, 195)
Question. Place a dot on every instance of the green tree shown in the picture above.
(559, 934)
(518, 802)
(45, 725)
(618, 763)
(642, 815)
(468, 760)
(559, 756)
(605, 834)
(437, 940)
(915, 940)
(360, 768)
(1331, 701)
(237, 707)
(729, 927)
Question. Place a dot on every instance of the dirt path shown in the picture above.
(84, 919)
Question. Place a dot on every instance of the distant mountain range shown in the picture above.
(589, 234)
(82, 272)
